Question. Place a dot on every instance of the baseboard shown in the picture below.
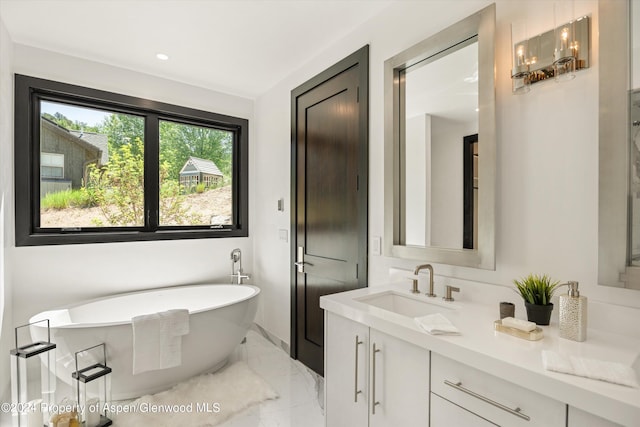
(271, 338)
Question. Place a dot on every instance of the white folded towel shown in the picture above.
(436, 324)
(611, 372)
(157, 340)
(179, 321)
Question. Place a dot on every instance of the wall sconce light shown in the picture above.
(520, 59)
(557, 53)
(564, 54)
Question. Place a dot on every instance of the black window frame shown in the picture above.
(29, 91)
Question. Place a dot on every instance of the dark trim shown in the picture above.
(361, 58)
(29, 91)
(151, 175)
(468, 205)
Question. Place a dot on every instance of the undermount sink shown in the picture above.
(406, 305)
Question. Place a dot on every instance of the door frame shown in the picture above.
(360, 58)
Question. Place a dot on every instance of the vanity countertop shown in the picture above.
(505, 356)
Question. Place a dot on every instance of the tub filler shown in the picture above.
(220, 316)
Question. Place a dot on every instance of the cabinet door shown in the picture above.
(399, 383)
(578, 418)
(446, 414)
(346, 369)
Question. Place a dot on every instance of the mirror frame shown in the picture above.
(613, 148)
(482, 24)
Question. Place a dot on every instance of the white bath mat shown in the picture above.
(203, 401)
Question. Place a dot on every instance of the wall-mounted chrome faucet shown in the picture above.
(236, 259)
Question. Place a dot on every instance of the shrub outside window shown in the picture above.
(94, 166)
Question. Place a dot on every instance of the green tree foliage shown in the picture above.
(179, 141)
(61, 120)
(121, 130)
(118, 189)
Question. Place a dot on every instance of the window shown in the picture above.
(201, 169)
(51, 165)
(110, 167)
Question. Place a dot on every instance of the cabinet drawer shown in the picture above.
(493, 398)
(578, 418)
(446, 414)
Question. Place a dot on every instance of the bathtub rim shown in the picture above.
(43, 314)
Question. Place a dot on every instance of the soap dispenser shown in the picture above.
(573, 314)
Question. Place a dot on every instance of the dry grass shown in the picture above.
(214, 203)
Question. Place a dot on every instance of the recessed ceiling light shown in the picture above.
(162, 56)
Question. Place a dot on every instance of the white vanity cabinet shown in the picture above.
(475, 397)
(445, 413)
(373, 379)
(579, 418)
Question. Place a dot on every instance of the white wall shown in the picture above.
(271, 254)
(547, 161)
(6, 206)
(49, 276)
(447, 181)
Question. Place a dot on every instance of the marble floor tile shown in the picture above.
(298, 403)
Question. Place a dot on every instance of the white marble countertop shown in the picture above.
(505, 356)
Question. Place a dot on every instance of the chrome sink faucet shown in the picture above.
(236, 258)
(415, 289)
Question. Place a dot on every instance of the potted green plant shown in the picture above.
(537, 290)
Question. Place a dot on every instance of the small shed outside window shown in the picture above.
(197, 170)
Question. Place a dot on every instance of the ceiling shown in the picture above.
(241, 47)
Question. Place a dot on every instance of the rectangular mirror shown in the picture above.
(440, 146)
(619, 145)
(438, 113)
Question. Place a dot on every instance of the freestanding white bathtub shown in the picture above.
(220, 316)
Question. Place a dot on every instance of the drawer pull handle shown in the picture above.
(517, 412)
(374, 402)
(356, 391)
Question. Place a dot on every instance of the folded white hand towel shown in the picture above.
(146, 342)
(611, 372)
(437, 324)
(179, 321)
(157, 340)
(175, 324)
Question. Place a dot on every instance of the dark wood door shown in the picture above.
(470, 191)
(329, 193)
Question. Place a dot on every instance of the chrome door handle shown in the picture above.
(517, 412)
(300, 259)
(356, 391)
(301, 265)
(374, 402)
